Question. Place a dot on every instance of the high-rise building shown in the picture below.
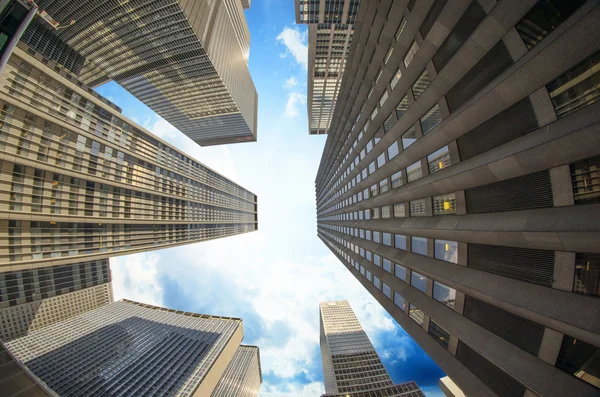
(129, 348)
(186, 60)
(80, 182)
(32, 299)
(351, 366)
(243, 375)
(449, 388)
(330, 27)
(460, 185)
(15, 16)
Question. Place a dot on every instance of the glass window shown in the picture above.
(362, 270)
(387, 291)
(409, 137)
(369, 276)
(387, 239)
(374, 190)
(419, 245)
(418, 281)
(416, 314)
(397, 180)
(438, 333)
(377, 260)
(375, 213)
(400, 272)
(369, 255)
(421, 84)
(444, 204)
(400, 241)
(585, 176)
(383, 98)
(374, 113)
(418, 207)
(377, 282)
(414, 171)
(400, 210)
(370, 92)
(393, 151)
(367, 232)
(432, 118)
(579, 358)
(389, 122)
(399, 301)
(381, 160)
(396, 78)
(387, 265)
(410, 55)
(439, 160)
(587, 274)
(372, 167)
(388, 55)
(402, 107)
(378, 76)
(376, 237)
(446, 250)
(384, 186)
(444, 294)
(385, 212)
(400, 29)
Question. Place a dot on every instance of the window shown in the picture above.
(378, 76)
(414, 171)
(446, 250)
(402, 107)
(362, 270)
(81, 141)
(419, 245)
(370, 92)
(397, 180)
(376, 236)
(387, 291)
(400, 29)
(383, 98)
(381, 160)
(579, 358)
(384, 186)
(387, 239)
(418, 281)
(438, 160)
(377, 260)
(587, 274)
(399, 210)
(372, 167)
(400, 272)
(444, 204)
(399, 301)
(416, 314)
(410, 55)
(432, 118)
(444, 294)
(389, 122)
(374, 113)
(409, 137)
(438, 333)
(585, 176)
(385, 212)
(396, 79)
(377, 283)
(369, 276)
(400, 241)
(387, 265)
(421, 84)
(418, 207)
(388, 55)
(374, 191)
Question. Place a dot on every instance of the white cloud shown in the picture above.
(310, 390)
(162, 128)
(290, 83)
(295, 43)
(294, 100)
(136, 277)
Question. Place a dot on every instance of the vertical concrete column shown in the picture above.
(430, 247)
(514, 44)
(543, 107)
(425, 324)
(564, 270)
(444, 109)
(429, 206)
(550, 347)
(461, 203)
(453, 151)
(459, 302)
(453, 345)
(562, 187)
(462, 253)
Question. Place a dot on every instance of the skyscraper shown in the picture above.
(80, 182)
(186, 60)
(350, 363)
(330, 27)
(459, 184)
(32, 299)
(129, 348)
(243, 375)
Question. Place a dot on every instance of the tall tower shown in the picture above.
(243, 375)
(460, 185)
(350, 363)
(186, 60)
(330, 27)
(80, 182)
(129, 348)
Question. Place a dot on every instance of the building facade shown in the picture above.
(129, 348)
(243, 375)
(80, 183)
(459, 184)
(351, 366)
(32, 299)
(330, 27)
(186, 60)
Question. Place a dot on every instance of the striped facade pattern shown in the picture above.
(79, 182)
(186, 60)
(459, 185)
(243, 376)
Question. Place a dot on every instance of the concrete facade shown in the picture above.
(460, 186)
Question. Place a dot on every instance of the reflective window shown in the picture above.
(416, 314)
(418, 281)
(397, 179)
(385, 212)
(432, 118)
(389, 122)
(387, 291)
(400, 241)
(376, 237)
(400, 272)
(444, 294)
(369, 255)
(400, 210)
(383, 98)
(414, 171)
(579, 358)
(377, 282)
(387, 239)
(384, 186)
(372, 167)
(438, 333)
(399, 301)
(381, 160)
(587, 274)
(402, 107)
(419, 245)
(377, 260)
(400, 29)
(418, 207)
(369, 276)
(396, 78)
(362, 270)
(439, 160)
(444, 204)
(388, 55)
(387, 265)
(374, 113)
(446, 250)
(411, 53)
(421, 84)
(585, 177)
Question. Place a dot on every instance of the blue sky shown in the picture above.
(273, 278)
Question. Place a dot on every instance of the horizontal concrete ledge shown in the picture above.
(529, 370)
(573, 228)
(570, 313)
